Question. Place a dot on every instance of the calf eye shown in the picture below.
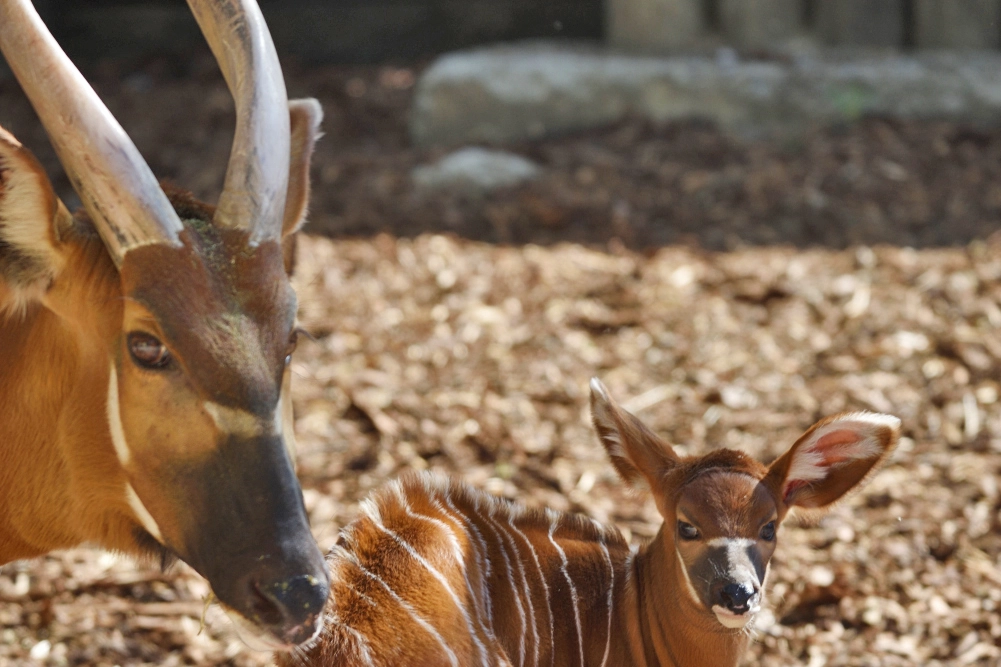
(768, 532)
(147, 351)
(687, 531)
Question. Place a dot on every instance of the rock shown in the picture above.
(527, 91)
(475, 171)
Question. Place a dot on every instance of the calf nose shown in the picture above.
(736, 596)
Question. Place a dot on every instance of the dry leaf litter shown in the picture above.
(474, 359)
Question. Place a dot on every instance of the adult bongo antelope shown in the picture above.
(144, 343)
(434, 573)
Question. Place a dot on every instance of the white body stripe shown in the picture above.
(377, 520)
(611, 603)
(545, 591)
(554, 520)
(460, 560)
(406, 606)
(501, 545)
(519, 561)
(480, 553)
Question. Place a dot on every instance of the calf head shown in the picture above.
(722, 511)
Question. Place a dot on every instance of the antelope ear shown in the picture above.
(32, 222)
(636, 452)
(833, 457)
(305, 117)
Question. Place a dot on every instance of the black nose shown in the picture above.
(290, 609)
(735, 596)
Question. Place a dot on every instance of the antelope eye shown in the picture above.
(768, 532)
(687, 531)
(147, 351)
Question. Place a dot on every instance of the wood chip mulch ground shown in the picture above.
(473, 358)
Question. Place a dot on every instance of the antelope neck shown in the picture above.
(674, 630)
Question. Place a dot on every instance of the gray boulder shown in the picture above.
(475, 171)
(526, 91)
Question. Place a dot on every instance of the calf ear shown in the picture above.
(305, 117)
(636, 452)
(32, 222)
(833, 457)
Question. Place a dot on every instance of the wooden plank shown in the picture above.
(655, 25)
(759, 24)
(957, 24)
(861, 22)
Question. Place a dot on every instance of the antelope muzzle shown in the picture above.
(245, 529)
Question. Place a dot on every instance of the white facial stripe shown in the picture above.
(243, 424)
(145, 518)
(115, 419)
(730, 542)
(688, 582)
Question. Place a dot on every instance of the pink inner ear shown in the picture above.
(791, 488)
(836, 447)
(813, 462)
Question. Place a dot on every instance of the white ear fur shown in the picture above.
(306, 116)
(604, 421)
(847, 438)
(31, 217)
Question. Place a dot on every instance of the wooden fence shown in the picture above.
(673, 25)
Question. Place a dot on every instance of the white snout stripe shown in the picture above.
(243, 424)
(730, 542)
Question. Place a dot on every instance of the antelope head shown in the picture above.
(182, 317)
(722, 511)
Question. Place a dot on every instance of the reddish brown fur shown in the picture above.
(187, 459)
(468, 539)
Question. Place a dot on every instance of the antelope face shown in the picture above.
(724, 536)
(200, 416)
(198, 406)
(721, 510)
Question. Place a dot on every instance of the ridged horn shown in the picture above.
(116, 186)
(253, 196)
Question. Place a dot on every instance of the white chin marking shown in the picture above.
(254, 637)
(258, 639)
(728, 619)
